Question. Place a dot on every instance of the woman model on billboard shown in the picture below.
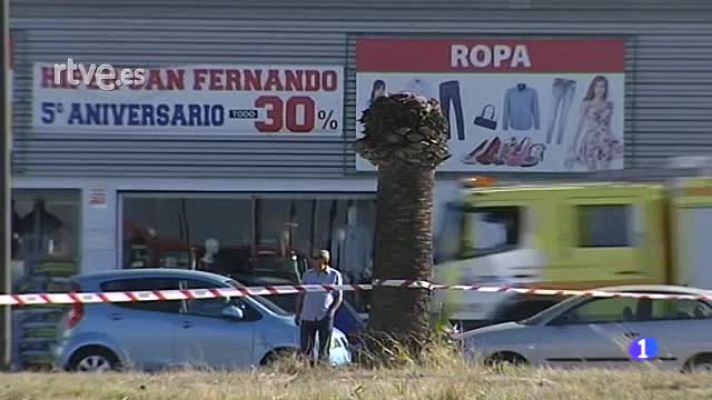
(598, 146)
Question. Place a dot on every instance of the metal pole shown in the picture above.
(5, 191)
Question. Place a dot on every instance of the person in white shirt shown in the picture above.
(316, 310)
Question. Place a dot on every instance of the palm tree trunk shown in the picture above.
(405, 136)
(403, 251)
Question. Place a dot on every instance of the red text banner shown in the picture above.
(494, 56)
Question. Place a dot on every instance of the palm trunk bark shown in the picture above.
(403, 250)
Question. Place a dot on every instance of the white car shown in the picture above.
(605, 332)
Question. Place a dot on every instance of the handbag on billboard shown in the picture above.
(487, 121)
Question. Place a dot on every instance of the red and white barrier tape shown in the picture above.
(190, 294)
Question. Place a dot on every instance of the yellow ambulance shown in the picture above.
(572, 235)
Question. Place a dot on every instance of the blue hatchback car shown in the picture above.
(217, 333)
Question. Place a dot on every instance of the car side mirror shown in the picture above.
(233, 312)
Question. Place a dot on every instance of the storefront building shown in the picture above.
(239, 145)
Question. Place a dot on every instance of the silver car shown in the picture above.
(217, 333)
(601, 331)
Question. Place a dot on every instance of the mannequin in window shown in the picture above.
(137, 250)
(16, 247)
(285, 239)
(287, 264)
(351, 248)
(211, 260)
(43, 233)
(142, 247)
(17, 257)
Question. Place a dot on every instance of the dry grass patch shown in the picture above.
(407, 383)
(443, 376)
(320, 383)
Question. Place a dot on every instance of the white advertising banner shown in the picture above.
(531, 105)
(198, 99)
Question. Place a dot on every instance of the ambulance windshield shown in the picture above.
(471, 232)
(490, 230)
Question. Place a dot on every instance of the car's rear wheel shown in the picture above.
(701, 363)
(94, 359)
(277, 355)
(505, 358)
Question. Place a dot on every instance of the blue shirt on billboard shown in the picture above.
(521, 108)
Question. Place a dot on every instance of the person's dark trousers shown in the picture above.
(450, 92)
(308, 332)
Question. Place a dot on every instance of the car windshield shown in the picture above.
(550, 312)
(263, 301)
(489, 230)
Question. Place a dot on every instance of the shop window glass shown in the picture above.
(303, 226)
(349, 237)
(605, 226)
(284, 229)
(176, 232)
(255, 236)
(45, 239)
(45, 253)
(330, 215)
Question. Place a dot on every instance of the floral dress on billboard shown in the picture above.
(599, 144)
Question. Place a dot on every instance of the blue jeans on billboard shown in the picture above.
(450, 92)
(562, 91)
(308, 331)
